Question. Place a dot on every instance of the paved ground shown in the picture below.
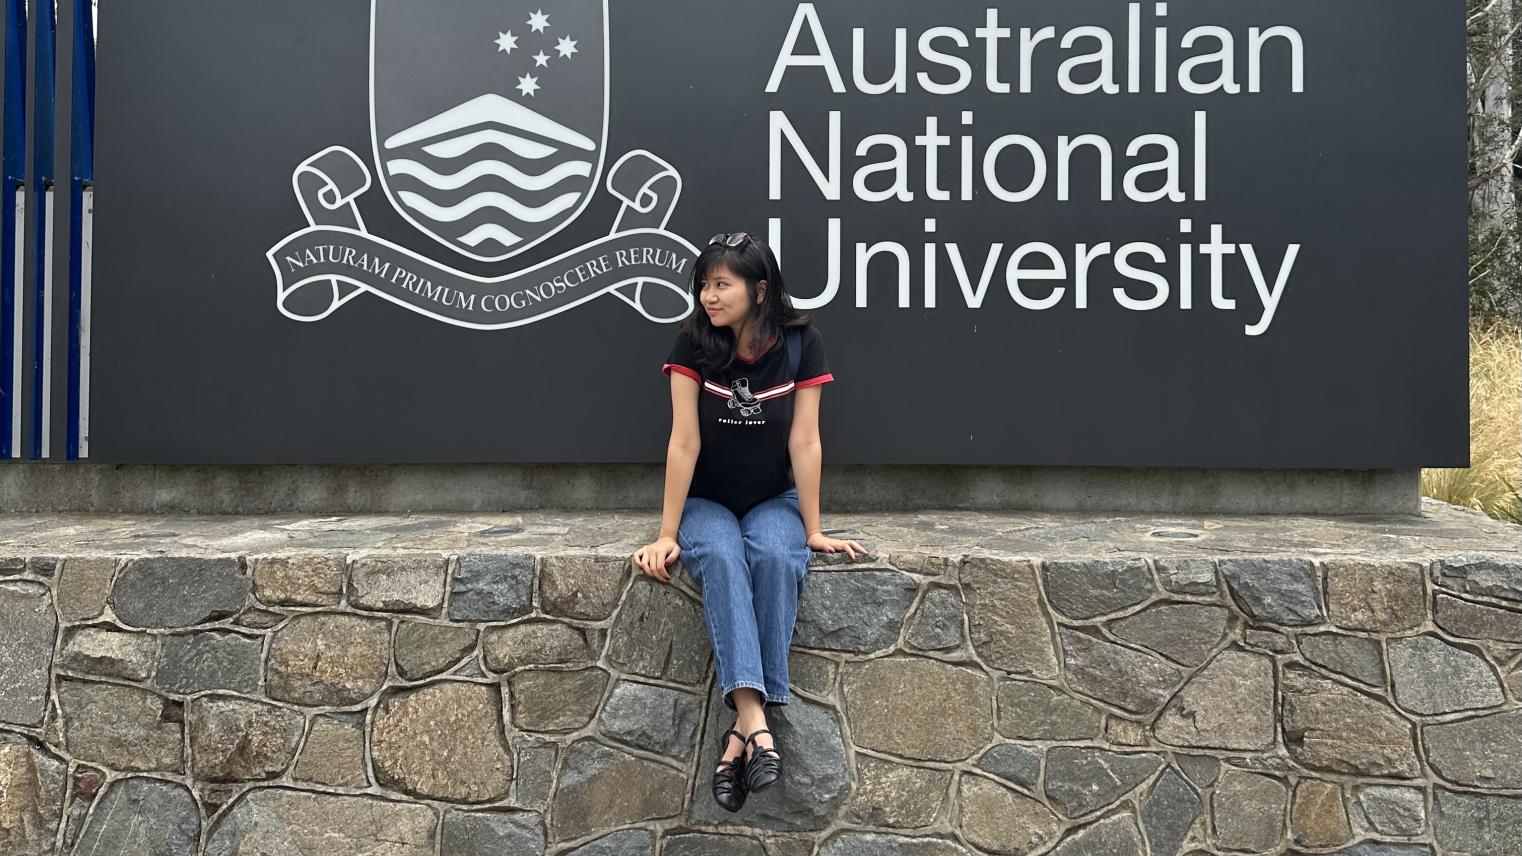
(1440, 530)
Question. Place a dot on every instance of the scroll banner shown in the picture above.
(327, 264)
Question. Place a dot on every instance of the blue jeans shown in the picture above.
(751, 570)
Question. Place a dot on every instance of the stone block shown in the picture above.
(1133, 681)
(1356, 657)
(659, 633)
(1381, 597)
(1477, 620)
(1431, 676)
(424, 650)
(812, 673)
(1013, 762)
(1317, 817)
(1188, 575)
(1088, 588)
(1183, 632)
(883, 844)
(492, 588)
(555, 699)
(1081, 780)
(1275, 591)
(1033, 711)
(442, 741)
(1496, 576)
(210, 660)
(144, 816)
(710, 844)
(1330, 727)
(179, 591)
(936, 624)
(884, 700)
(84, 587)
(492, 833)
(328, 659)
(32, 787)
(584, 587)
(654, 718)
(535, 768)
(1229, 704)
(536, 643)
(1248, 811)
(398, 583)
(1002, 820)
(855, 611)
(1477, 823)
(1007, 618)
(1168, 811)
(109, 653)
(594, 791)
(334, 753)
(27, 636)
(1483, 752)
(299, 580)
(1390, 809)
(894, 795)
(282, 821)
(237, 740)
(121, 727)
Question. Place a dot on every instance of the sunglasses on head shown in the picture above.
(729, 239)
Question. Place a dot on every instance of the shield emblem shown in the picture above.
(488, 118)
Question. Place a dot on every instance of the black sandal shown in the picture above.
(729, 788)
(764, 767)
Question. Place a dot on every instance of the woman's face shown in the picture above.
(725, 298)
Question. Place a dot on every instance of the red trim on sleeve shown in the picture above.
(814, 381)
(668, 367)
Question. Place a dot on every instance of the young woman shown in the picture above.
(742, 487)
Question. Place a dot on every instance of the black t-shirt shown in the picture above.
(744, 416)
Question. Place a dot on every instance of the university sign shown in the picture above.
(1144, 234)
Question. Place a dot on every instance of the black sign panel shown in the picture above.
(1064, 232)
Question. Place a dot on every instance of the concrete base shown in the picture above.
(345, 489)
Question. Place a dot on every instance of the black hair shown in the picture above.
(752, 261)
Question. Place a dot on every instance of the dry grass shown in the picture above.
(1494, 477)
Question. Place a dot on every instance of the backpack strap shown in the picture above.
(794, 339)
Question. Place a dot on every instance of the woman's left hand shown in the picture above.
(823, 543)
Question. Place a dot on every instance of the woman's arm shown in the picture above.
(681, 451)
(681, 459)
(804, 449)
(806, 452)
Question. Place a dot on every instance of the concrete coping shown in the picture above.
(1440, 530)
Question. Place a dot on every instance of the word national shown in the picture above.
(948, 158)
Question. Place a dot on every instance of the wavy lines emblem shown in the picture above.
(489, 118)
(488, 127)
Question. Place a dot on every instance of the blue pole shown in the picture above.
(43, 120)
(81, 174)
(13, 170)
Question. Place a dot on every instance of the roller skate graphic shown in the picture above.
(747, 404)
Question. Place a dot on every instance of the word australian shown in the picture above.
(955, 163)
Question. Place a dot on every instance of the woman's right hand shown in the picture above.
(653, 558)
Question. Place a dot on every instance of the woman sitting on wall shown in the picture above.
(742, 487)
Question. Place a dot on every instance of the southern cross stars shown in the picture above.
(538, 22)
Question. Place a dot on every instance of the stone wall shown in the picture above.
(489, 704)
